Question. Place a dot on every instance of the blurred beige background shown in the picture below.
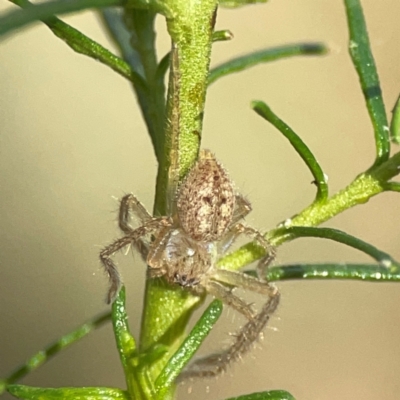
(72, 140)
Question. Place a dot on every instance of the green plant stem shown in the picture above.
(358, 192)
(45, 355)
(17, 19)
(167, 310)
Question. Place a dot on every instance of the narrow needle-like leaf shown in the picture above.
(19, 18)
(162, 67)
(125, 343)
(363, 272)
(188, 348)
(250, 60)
(222, 36)
(84, 45)
(67, 393)
(271, 395)
(43, 356)
(338, 236)
(301, 148)
(391, 186)
(364, 63)
(395, 123)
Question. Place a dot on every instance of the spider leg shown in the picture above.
(106, 254)
(241, 280)
(215, 364)
(129, 203)
(242, 208)
(257, 236)
(225, 294)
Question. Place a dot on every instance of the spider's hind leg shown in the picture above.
(215, 364)
(244, 281)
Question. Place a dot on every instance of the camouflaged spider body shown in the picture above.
(205, 221)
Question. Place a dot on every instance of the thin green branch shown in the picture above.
(363, 272)
(88, 47)
(301, 148)
(339, 236)
(188, 348)
(67, 393)
(363, 60)
(252, 59)
(50, 351)
(19, 18)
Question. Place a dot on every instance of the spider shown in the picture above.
(205, 222)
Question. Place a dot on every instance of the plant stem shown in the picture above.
(190, 24)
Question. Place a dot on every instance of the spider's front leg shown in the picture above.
(131, 238)
(130, 204)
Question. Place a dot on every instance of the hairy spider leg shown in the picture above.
(270, 250)
(130, 204)
(242, 208)
(131, 238)
(243, 281)
(215, 364)
(225, 294)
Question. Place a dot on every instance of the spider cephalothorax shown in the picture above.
(205, 221)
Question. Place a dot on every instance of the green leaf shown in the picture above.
(339, 236)
(239, 3)
(126, 344)
(392, 186)
(86, 46)
(301, 148)
(395, 123)
(45, 355)
(188, 348)
(364, 64)
(67, 393)
(362, 272)
(252, 59)
(271, 395)
(20, 18)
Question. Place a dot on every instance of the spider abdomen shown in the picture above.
(206, 200)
